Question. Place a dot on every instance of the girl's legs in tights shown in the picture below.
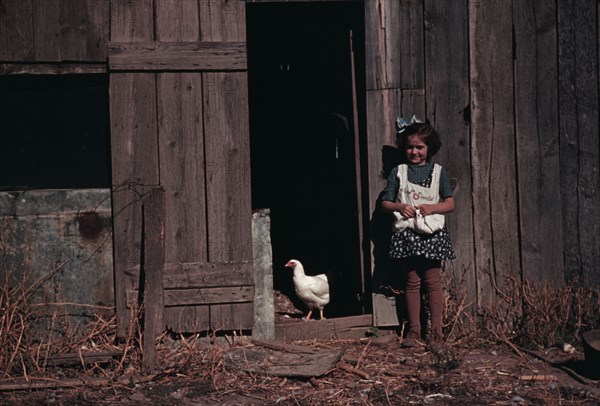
(428, 272)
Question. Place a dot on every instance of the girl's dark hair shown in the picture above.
(426, 133)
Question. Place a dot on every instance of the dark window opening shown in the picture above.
(302, 139)
(55, 132)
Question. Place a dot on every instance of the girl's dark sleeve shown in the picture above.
(391, 188)
(445, 185)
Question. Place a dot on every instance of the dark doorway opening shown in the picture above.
(303, 139)
(55, 132)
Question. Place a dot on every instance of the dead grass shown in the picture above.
(526, 316)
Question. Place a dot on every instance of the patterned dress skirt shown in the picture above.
(407, 243)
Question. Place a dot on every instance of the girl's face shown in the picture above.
(416, 150)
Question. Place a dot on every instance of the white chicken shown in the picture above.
(312, 290)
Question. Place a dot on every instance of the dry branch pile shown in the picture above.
(509, 354)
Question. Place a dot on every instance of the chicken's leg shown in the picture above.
(309, 314)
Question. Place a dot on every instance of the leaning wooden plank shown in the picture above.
(78, 358)
(71, 383)
(154, 260)
(179, 56)
(283, 361)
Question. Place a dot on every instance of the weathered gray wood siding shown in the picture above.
(186, 130)
(513, 88)
(511, 85)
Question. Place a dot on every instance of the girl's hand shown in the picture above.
(407, 210)
(426, 209)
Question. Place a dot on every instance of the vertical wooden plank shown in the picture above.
(180, 128)
(382, 107)
(131, 20)
(225, 97)
(394, 44)
(447, 78)
(180, 138)
(493, 146)
(393, 33)
(16, 30)
(189, 318)
(537, 130)
(233, 316)
(182, 165)
(579, 160)
(46, 30)
(177, 21)
(154, 261)
(222, 20)
(134, 170)
(84, 30)
(134, 148)
(227, 180)
(227, 166)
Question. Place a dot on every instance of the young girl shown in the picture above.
(418, 193)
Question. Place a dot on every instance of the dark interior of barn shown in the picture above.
(302, 139)
(55, 132)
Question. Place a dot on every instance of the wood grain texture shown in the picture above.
(232, 316)
(47, 30)
(447, 96)
(227, 166)
(178, 56)
(131, 21)
(16, 30)
(84, 26)
(177, 21)
(223, 20)
(394, 44)
(494, 191)
(579, 161)
(537, 141)
(154, 261)
(51, 68)
(187, 318)
(182, 165)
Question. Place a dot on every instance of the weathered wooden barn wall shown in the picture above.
(179, 119)
(513, 88)
(511, 85)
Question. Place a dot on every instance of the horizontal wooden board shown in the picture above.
(202, 296)
(51, 69)
(201, 275)
(177, 56)
(343, 327)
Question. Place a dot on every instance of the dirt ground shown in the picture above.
(373, 370)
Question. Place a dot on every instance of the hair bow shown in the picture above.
(401, 123)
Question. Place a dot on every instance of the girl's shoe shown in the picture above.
(412, 339)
